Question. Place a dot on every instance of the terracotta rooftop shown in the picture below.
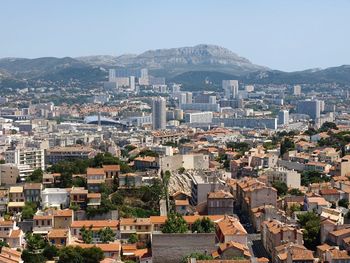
(95, 223)
(231, 226)
(219, 195)
(58, 233)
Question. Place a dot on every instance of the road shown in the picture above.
(255, 245)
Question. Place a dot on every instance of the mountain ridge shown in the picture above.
(187, 64)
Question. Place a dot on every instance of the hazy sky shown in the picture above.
(281, 34)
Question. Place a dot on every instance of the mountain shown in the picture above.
(340, 75)
(32, 68)
(174, 61)
(196, 67)
(196, 80)
(49, 69)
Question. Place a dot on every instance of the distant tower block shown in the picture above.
(230, 88)
(297, 90)
(159, 113)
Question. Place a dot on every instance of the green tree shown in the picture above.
(310, 177)
(36, 176)
(86, 234)
(106, 235)
(240, 147)
(175, 223)
(2, 161)
(281, 187)
(198, 256)
(295, 208)
(295, 191)
(30, 257)
(343, 203)
(35, 242)
(133, 239)
(92, 255)
(3, 244)
(287, 145)
(182, 170)
(204, 225)
(117, 199)
(29, 210)
(328, 126)
(70, 255)
(50, 251)
(310, 223)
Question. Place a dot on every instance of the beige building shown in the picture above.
(293, 253)
(9, 173)
(220, 203)
(16, 194)
(230, 229)
(275, 233)
(341, 167)
(252, 193)
(290, 177)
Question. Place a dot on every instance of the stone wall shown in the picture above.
(171, 248)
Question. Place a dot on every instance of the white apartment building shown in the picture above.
(199, 117)
(230, 88)
(34, 158)
(55, 197)
(290, 177)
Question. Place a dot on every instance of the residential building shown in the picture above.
(58, 154)
(10, 173)
(78, 196)
(11, 234)
(142, 227)
(182, 207)
(293, 253)
(34, 158)
(275, 233)
(230, 229)
(230, 88)
(55, 197)
(199, 117)
(159, 113)
(220, 203)
(290, 177)
(9, 255)
(283, 117)
(130, 180)
(16, 194)
(32, 192)
(59, 237)
(95, 177)
(95, 226)
(310, 107)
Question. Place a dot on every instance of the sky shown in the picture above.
(287, 35)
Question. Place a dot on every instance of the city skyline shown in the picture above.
(285, 35)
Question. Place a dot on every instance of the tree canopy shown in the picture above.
(204, 225)
(77, 254)
(281, 187)
(310, 223)
(175, 223)
(106, 235)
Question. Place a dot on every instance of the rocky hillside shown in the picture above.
(173, 61)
